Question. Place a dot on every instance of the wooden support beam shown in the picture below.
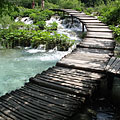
(72, 19)
(83, 27)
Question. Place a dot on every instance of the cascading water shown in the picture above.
(18, 65)
(25, 20)
(66, 27)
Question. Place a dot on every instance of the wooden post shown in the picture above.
(72, 19)
(63, 13)
(83, 27)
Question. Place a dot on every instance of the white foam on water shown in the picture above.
(17, 19)
(27, 20)
(35, 51)
(67, 29)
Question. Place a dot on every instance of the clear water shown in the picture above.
(17, 66)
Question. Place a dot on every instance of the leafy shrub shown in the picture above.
(53, 26)
(89, 10)
(5, 21)
(49, 5)
(69, 4)
(116, 31)
(110, 13)
(41, 24)
(25, 38)
(41, 16)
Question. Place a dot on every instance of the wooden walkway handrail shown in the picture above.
(57, 93)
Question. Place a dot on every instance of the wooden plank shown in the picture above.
(96, 26)
(91, 21)
(110, 63)
(58, 87)
(65, 80)
(53, 92)
(98, 29)
(75, 78)
(73, 99)
(100, 35)
(118, 72)
(86, 18)
(55, 105)
(3, 116)
(12, 112)
(113, 64)
(58, 99)
(79, 59)
(116, 68)
(75, 72)
(66, 83)
(40, 107)
(41, 102)
(34, 114)
(85, 85)
(98, 40)
(97, 44)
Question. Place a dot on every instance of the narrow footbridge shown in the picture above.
(56, 94)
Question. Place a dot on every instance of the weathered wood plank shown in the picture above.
(110, 62)
(40, 107)
(116, 68)
(97, 43)
(100, 35)
(75, 78)
(91, 21)
(65, 88)
(79, 59)
(12, 112)
(98, 29)
(86, 17)
(96, 26)
(113, 64)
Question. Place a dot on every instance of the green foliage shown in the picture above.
(21, 25)
(5, 21)
(41, 16)
(49, 5)
(116, 31)
(41, 24)
(69, 4)
(110, 13)
(89, 10)
(53, 26)
(25, 38)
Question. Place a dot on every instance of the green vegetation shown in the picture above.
(25, 38)
(108, 11)
(15, 34)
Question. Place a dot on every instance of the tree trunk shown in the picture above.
(42, 5)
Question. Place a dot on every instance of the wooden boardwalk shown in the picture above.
(56, 94)
(113, 66)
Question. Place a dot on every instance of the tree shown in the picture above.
(42, 4)
(6, 7)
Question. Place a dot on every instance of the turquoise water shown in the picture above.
(17, 66)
